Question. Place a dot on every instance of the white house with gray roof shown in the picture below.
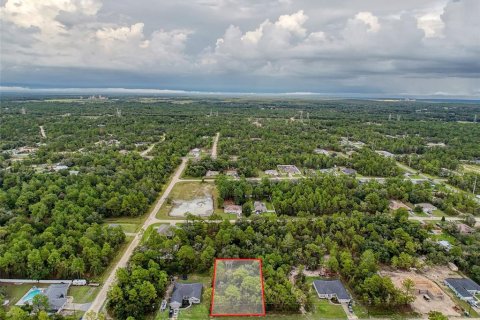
(328, 289)
(464, 288)
(57, 296)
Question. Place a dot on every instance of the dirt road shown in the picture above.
(42, 132)
(214, 148)
(147, 151)
(102, 295)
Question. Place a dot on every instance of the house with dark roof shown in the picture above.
(428, 208)
(57, 296)
(349, 171)
(165, 230)
(328, 289)
(259, 207)
(185, 295)
(464, 288)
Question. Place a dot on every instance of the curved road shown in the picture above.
(101, 297)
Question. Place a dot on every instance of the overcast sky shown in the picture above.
(367, 47)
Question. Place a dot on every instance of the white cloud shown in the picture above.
(368, 43)
(42, 14)
(293, 23)
(369, 19)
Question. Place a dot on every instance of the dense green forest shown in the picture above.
(338, 242)
(110, 159)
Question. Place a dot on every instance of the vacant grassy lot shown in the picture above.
(471, 167)
(189, 191)
(83, 294)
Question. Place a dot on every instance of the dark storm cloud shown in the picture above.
(370, 46)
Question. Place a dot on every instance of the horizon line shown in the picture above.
(156, 91)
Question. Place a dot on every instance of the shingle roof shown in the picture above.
(463, 285)
(331, 287)
(186, 290)
(165, 229)
(57, 295)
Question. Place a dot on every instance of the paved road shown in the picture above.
(214, 148)
(102, 295)
(99, 301)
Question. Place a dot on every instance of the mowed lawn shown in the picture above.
(322, 309)
(83, 294)
(14, 292)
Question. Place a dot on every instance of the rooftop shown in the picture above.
(57, 295)
(183, 291)
(463, 286)
(331, 287)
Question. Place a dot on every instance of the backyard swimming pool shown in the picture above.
(28, 297)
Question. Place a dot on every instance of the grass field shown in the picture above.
(323, 309)
(443, 236)
(127, 227)
(471, 167)
(189, 191)
(83, 294)
(15, 292)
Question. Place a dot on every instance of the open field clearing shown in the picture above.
(471, 167)
(424, 288)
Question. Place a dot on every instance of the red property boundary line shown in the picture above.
(237, 314)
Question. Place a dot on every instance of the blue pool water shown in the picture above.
(32, 293)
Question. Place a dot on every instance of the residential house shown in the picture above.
(464, 288)
(57, 296)
(395, 205)
(165, 230)
(195, 152)
(328, 289)
(232, 173)
(428, 208)
(349, 171)
(464, 229)
(273, 173)
(321, 151)
(445, 244)
(185, 295)
(259, 207)
(386, 154)
(289, 169)
(233, 208)
(211, 173)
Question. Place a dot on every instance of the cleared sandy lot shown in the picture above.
(439, 300)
